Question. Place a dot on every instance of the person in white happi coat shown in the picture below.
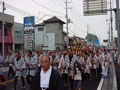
(39, 60)
(87, 66)
(54, 60)
(62, 67)
(107, 60)
(81, 61)
(20, 69)
(2, 77)
(69, 60)
(98, 60)
(94, 63)
(118, 60)
(10, 61)
(31, 65)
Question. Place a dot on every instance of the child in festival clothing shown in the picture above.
(77, 76)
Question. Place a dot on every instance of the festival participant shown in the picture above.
(31, 65)
(93, 60)
(77, 75)
(47, 78)
(62, 67)
(106, 63)
(10, 61)
(54, 60)
(87, 66)
(69, 60)
(19, 68)
(2, 77)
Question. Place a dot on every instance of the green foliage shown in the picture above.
(91, 37)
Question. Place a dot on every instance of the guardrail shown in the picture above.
(109, 83)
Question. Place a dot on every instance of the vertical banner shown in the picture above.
(29, 34)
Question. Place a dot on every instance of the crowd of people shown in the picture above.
(49, 70)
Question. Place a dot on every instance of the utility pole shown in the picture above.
(109, 36)
(67, 18)
(118, 26)
(111, 19)
(87, 31)
(3, 29)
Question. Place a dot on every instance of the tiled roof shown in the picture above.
(54, 19)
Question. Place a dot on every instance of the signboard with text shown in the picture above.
(29, 33)
(94, 7)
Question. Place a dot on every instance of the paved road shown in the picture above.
(91, 85)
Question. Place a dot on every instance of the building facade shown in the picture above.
(50, 35)
(18, 36)
(8, 33)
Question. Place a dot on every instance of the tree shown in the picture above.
(91, 37)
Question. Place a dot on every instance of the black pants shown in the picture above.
(29, 79)
(86, 76)
(11, 71)
(65, 77)
(15, 81)
(71, 82)
(99, 70)
(94, 73)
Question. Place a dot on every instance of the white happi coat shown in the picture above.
(81, 60)
(101, 58)
(105, 66)
(26, 57)
(108, 58)
(118, 60)
(106, 63)
(93, 60)
(96, 62)
(39, 60)
(68, 63)
(56, 59)
(1, 62)
(10, 60)
(88, 65)
(31, 69)
(20, 64)
(62, 65)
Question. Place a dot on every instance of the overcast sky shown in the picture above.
(97, 24)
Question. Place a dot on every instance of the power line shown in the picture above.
(60, 4)
(24, 13)
(76, 17)
(74, 32)
(46, 7)
(76, 11)
(79, 28)
(76, 25)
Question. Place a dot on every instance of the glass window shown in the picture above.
(40, 28)
(18, 34)
(5, 31)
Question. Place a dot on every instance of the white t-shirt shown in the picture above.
(78, 75)
(45, 78)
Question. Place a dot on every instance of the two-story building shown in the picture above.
(50, 35)
(8, 33)
(18, 36)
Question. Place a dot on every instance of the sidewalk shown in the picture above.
(117, 68)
